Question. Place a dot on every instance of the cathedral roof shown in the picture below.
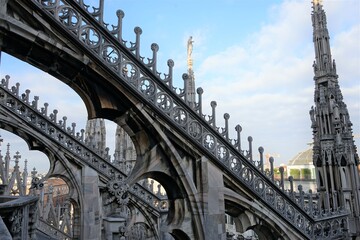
(302, 158)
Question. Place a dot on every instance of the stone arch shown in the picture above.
(172, 189)
(174, 194)
(106, 98)
(254, 218)
(59, 164)
(158, 158)
(243, 221)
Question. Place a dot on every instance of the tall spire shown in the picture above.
(95, 134)
(323, 65)
(125, 152)
(335, 156)
(190, 81)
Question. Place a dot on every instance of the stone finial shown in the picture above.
(153, 61)
(291, 181)
(271, 161)
(15, 89)
(34, 103)
(200, 92)
(136, 45)
(17, 156)
(44, 109)
(225, 131)
(73, 126)
(118, 32)
(53, 116)
(5, 81)
(249, 152)
(261, 161)
(25, 96)
(238, 129)
(63, 125)
(33, 172)
(169, 77)
(301, 196)
(212, 118)
(281, 170)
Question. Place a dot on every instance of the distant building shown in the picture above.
(301, 166)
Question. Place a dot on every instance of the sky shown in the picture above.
(253, 57)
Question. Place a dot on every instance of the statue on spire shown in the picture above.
(316, 2)
(189, 47)
(190, 81)
(189, 52)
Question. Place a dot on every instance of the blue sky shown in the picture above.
(254, 57)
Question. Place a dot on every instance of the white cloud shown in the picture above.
(266, 83)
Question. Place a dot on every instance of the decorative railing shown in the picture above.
(69, 140)
(104, 44)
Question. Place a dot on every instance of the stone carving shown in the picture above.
(123, 60)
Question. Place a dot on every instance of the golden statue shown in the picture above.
(189, 52)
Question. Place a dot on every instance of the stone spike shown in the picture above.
(64, 122)
(107, 156)
(261, 164)
(212, 118)
(301, 196)
(169, 76)
(281, 169)
(199, 91)
(17, 156)
(25, 166)
(185, 77)
(136, 45)
(158, 193)
(238, 129)
(26, 96)
(7, 162)
(5, 82)
(73, 125)
(34, 103)
(291, 180)
(99, 12)
(44, 109)
(120, 14)
(226, 129)
(82, 135)
(15, 89)
(53, 116)
(151, 186)
(155, 49)
(271, 160)
(24, 176)
(249, 155)
(33, 172)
